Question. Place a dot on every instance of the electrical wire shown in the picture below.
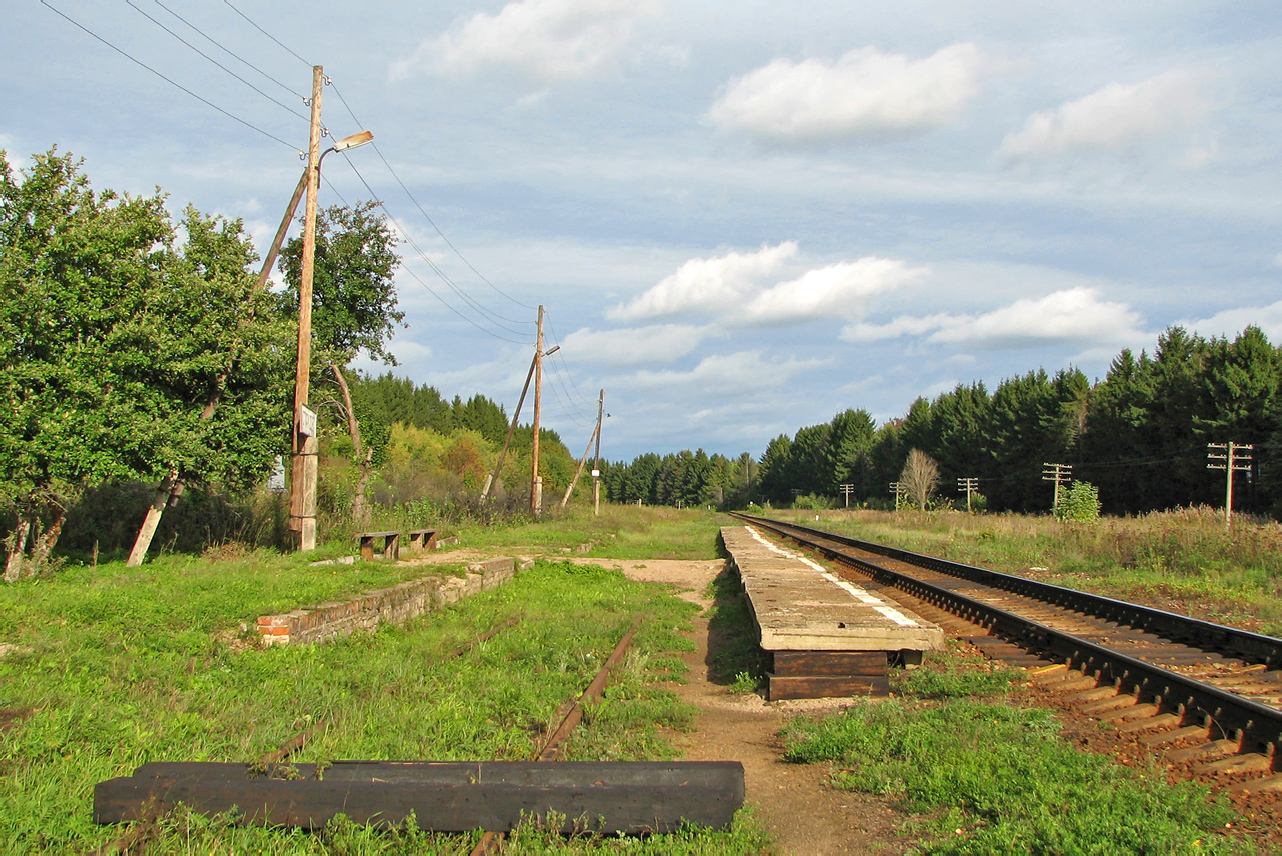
(411, 271)
(267, 34)
(284, 107)
(171, 82)
(230, 52)
(422, 211)
(431, 264)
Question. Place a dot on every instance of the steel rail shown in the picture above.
(1258, 726)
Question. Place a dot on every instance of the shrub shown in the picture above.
(1080, 502)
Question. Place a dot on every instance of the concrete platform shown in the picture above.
(825, 636)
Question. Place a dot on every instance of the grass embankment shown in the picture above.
(982, 776)
(120, 666)
(1184, 560)
(620, 532)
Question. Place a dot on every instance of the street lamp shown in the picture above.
(306, 448)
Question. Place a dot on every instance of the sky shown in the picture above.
(741, 217)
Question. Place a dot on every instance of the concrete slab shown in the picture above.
(798, 605)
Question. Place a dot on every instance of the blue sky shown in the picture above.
(741, 217)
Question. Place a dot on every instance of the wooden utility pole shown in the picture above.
(596, 473)
(596, 460)
(302, 488)
(898, 489)
(845, 491)
(970, 485)
(1057, 473)
(492, 480)
(1234, 458)
(536, 481)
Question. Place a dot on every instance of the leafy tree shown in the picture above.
(1080, 502)
(115, 340)
(353, 293)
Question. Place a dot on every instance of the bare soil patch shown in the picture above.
(793, 801)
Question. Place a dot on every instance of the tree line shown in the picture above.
(1139, 435)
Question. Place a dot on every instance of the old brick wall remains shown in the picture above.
(396, 604)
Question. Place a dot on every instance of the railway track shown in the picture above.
(1209, 695)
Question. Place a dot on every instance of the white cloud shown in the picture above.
(1113, 117)
(864, 93)
(548, 40)
(715, 284)
(1071, 316)
(730, 288)
(1230, 322)
(633, 346)
(834, 291)
(723, 376)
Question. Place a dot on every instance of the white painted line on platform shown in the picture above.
(854, 591)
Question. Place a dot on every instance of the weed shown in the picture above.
(992, 778)
(955, 674)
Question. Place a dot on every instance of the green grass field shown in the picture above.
(115, 667)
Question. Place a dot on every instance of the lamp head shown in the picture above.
(358, 139)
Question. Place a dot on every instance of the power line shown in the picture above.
(231, 53)
(288, 109)
(489, 316)
(267, 34)
(422, 211)
(173, 83)
(411, 272)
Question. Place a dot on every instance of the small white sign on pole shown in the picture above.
(307, 421)
(596, 474)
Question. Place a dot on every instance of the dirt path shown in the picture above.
(791, 800)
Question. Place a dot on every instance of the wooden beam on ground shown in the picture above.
(603, 797)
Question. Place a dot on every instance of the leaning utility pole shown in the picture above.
(1057, 473)
(536, 481)
(492, 479)
(578, 472)
(1234, 459)
(845, 490)
(596, 460)
(302, 487)
(970, 485)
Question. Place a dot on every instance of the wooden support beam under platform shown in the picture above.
(603, 797)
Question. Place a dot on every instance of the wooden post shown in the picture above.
(302, 497)
(536, 483)
(596, 460)
(578, 472)
(493, 478)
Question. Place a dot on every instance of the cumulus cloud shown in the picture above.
(547, 40)
(732, 288)
(834, 291)
(1230, 322)
(1072, 316)
(633, 346)
(1114, 117)
(866, 93)
(712, 284)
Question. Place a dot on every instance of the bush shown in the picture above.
(1080, 502)
(813, 502)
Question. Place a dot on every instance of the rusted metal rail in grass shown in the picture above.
(1256, 727)
(598, 797)
(551, 748)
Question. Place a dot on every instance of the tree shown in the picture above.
(115, 338)
(919, 477)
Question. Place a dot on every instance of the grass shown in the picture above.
(1183, 560)
(985, 776)
(734, 658)
(122, 666)
(620, 532)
